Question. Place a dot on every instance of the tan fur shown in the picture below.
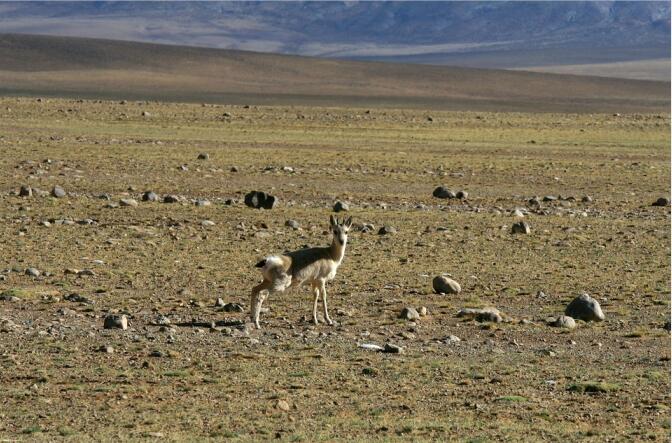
(314, 266)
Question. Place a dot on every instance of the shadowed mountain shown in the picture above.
(93, 68)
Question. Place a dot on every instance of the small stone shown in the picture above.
(662, 201)
(204, 156)
(33, 272)
(234, 169)
(488, 316)
(423, 311)
(452, 339)
(550, 198)
(445, 285)
(128, 202)
(292, 224)
(183, 168)
(77, 298)
(518, 213)
(667, 325)
(58, 192)
(585, 308)
(481, 315)
(409, 313)
(564, 321)
(462, 195)
(443, 192)
(146, 114)
(340, 206)
(162, 320)
(534, 201)
(202, 203)
(393, 349)
(384, 230)
(107, 349)
(219, 303)
(282, 405)
(171, 199)
(26, 191)
(116, 322)
(150, 196)
(520, 227)
(207, 223)
(371, 347)
(587, 199)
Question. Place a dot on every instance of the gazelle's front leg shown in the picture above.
(323, 287)
(316, 291)
(256, 300)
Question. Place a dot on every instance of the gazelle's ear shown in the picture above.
(332, 221)
(348, 223)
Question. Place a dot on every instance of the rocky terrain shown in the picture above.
(128, 256)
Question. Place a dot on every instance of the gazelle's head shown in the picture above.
(340, 229)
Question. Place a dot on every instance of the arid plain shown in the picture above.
(186, 369)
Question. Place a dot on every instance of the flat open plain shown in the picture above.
(172, 375)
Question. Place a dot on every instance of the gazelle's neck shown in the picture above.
(338, 249)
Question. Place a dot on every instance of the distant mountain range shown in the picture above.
(365, 30)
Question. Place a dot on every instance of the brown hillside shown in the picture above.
(64, 66)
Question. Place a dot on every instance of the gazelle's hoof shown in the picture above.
(329, 322)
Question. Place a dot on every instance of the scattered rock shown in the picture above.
(586, 308)
(232, 307)
(76, 298)
(587, 199)
(409, 313)
(341, 206)
(219, 303)
(393, 349)
(33, 272)
(564, 321)
(282, 405)
(58, 192)
(371, 347)
(520, 227)
(146, 114)
(260, 200)
(171, 199)
(384, 230)
(150, 196)
(292, 224)
(207, 223)
(25, 191)
(234, 169)
(481, 315)
(534, 201)
(518, 213)
(204, 156)
(662, 201)
(423, 311)
(445, 285)
(128, 202)
(443, 192)
(116, 322)
(462, 195)
(550, 198)
(666, 326)
(202, 203)
(452, 339)
(107, 349)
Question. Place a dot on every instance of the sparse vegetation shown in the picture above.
(185, 369)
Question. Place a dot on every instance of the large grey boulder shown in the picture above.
(586, 308)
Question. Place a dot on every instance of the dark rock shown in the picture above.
(116, 322)
(260, 200)
(384, 230)
(150, 196)
(232, 307)
(26, 191)
(341, 206)
(443, 192)
(171, 199)
(520, 227)
(564, 321)
(662, 201)
(33, 272)
(204, 156)
(393, 349)
(292, 224)
(586, 308)
(462, 195)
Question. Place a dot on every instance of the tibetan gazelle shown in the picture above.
(314, 266)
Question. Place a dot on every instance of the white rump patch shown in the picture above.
(273, 271)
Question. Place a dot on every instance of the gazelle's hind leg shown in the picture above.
(316, 291)
(323, 287)
(257, 299)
